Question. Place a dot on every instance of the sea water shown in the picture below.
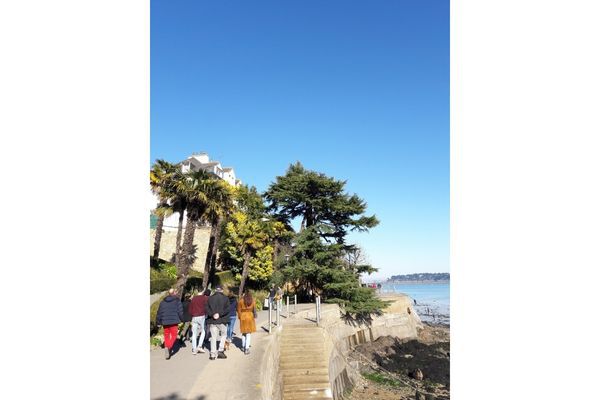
(432, 299)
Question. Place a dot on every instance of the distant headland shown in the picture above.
(426, 277)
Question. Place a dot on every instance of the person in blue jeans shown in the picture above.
(232, 316)
(197, 310)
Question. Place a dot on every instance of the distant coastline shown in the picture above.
(420, 278)
(418, 282)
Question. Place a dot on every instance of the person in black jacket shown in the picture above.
(169, 315)
(184, 333)
(217, 318)
(232, 318)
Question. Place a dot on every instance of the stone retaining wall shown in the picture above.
(399, 320)
(168, 241)
(272, 388)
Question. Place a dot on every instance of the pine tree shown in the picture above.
(328, 214)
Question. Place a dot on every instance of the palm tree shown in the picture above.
(179, 205)
(219, 205)
(206, 197)
(161, 182)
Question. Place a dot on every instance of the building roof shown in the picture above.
(210, 164)
(227, 169)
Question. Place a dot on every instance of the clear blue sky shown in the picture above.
(358, 90)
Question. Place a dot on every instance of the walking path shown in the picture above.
(195, 377)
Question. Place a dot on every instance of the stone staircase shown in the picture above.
(303, 362)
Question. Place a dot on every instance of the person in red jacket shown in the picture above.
(197, 310)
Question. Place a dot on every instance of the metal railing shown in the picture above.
(276, 319)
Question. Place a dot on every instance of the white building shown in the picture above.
(196, 162)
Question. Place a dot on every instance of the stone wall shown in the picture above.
(399, 320)
(271, 379)
(168, 240)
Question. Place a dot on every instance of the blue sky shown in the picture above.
(358, 90)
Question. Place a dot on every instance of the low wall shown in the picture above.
(168, 242)
(271, 379)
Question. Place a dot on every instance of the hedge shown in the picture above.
(153, 311)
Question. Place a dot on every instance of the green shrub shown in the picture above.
(163, 275)
(225, 279)
(158, 338)
(153, 310)
(259, 297)
(160, 283)
(382, 379)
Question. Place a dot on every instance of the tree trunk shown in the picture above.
(210, 265)
(178, 239)
(244, 273)
(158, 235)
(186, 257)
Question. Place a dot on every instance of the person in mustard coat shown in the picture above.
(246, 311)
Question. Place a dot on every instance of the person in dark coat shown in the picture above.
(232, 316)
(272, 294)
(184, 333)
(169, 315)
(217, 318)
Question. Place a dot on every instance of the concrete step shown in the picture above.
(305, 339)
(310, 336)
(302, 364)
(301, 379)
(299, 329)
(301, 324)
(284, 357)
(304, 396)
(307, 387)
(304, 371)
(313, 345)
(312, 350)
(303, 343)
(302, 338)
(303, 354)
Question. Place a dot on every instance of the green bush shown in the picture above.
(160, 281)
(382, 379)
(259, 297)
(163, 275)
(225, 279)
(153, 310)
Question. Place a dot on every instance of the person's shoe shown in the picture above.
(167, 353)
(221, 355)
(194, 352)
(247, 351)
(212, 357)
(201, 350)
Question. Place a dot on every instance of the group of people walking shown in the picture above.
(216, 312)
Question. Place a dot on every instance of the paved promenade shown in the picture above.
(194, 377)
